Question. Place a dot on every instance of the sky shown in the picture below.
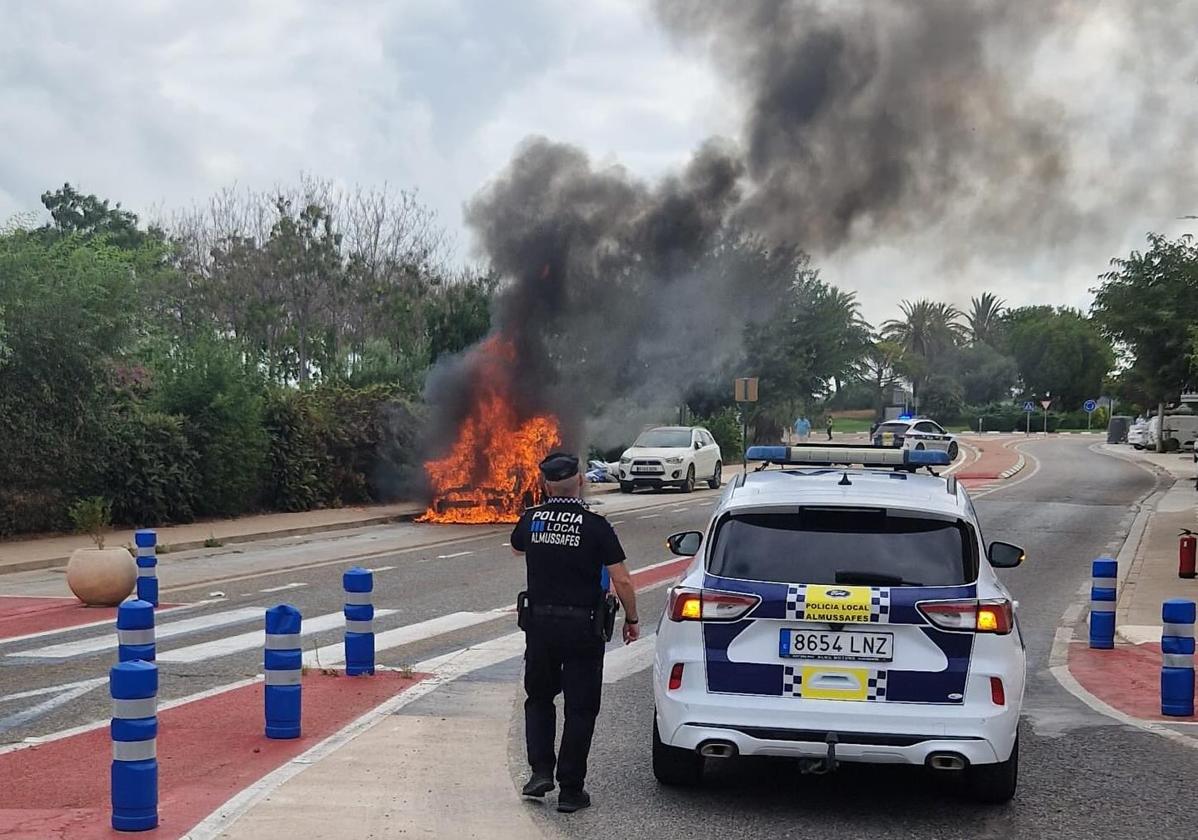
(158, 105)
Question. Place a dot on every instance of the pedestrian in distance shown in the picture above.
(567, 618)
(804, 429)
(829, 427)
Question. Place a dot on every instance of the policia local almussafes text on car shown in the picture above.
(567, 617)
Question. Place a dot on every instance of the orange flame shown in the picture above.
(491, 474)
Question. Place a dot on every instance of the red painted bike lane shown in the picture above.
(1127, 678)
(208, 751)
(23, 616)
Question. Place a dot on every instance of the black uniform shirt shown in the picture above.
(565, 546)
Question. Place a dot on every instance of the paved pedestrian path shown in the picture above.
(1127, 678)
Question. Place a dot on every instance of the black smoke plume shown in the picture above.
(863, 122)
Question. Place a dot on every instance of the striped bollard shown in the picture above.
(134, 689)
(135, 631)
(359, 621)
(1105, 574)
(283, 660)
(1177, 658)
(146, 541)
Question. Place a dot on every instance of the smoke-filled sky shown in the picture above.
(926, 148)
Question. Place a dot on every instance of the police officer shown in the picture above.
(566, 546)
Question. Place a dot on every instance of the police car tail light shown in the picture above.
(676, 676)
(708, 605)
(970, 616)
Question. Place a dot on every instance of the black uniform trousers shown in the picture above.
(562, 656)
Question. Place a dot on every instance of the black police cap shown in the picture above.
(558, 466)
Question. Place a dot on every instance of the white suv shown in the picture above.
(838, 614)
(671, 456)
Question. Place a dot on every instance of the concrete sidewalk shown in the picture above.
(423, 772)
(1152, 576)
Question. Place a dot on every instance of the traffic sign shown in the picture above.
(1045, 404)
(1029, 407)
(746, 389)
(1090, 405)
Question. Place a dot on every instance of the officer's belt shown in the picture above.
(559, 611)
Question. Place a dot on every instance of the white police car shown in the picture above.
(840, 614)
(917, 433)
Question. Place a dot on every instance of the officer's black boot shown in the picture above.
(569, 801)
(537, 786)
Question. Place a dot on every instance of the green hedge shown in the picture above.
(229, 450)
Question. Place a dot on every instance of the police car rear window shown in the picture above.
(893, 428)
(846, 546)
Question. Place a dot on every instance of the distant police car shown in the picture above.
(916, 433)
(833, 614)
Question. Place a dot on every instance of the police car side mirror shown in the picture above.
(698, 445)
(1004, 555)
(685, 544)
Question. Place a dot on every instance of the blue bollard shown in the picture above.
(1177, 658)
(134, 689)
(146, 541)
(1105, 574)
(135, 631)
(283, 660)
(359, 621)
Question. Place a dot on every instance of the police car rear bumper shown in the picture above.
(879, 733)
(860, 747)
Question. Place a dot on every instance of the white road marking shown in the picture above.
(618, 521)
(649, 516)
(108, 641)
(334, 654)
(381, 569)
(679, 510)
(33, 712)
(629, 659)
(455, 554)
(50, 689)
(249, 641)
(110, 622)
(281, 588)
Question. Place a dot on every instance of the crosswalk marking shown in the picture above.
(248, 641)
(334, 654)
(96, 644)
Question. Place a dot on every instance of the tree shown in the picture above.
(1147, 304)
(985, 319)
(88, 216)
(927, 331)
(985, 374)
(1058, 352)
(882, 367)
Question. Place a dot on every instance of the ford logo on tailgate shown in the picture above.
(838, 593)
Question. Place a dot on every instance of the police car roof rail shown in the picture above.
(823, 455)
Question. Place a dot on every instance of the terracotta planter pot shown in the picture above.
(101, 577)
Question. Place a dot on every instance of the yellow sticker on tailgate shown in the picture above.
(835, 683)
(837, 603)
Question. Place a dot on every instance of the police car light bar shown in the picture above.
(866, 456)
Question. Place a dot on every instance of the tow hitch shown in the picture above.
(820, 766)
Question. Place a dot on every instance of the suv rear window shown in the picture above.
(847, 546)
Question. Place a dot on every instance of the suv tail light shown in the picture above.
(987, 616)
(708, 605)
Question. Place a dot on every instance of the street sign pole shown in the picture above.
(1089, 406)
(1045, 403)
(1028, 408)
(745, 392)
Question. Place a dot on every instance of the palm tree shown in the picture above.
(926, 331)
(984, 317)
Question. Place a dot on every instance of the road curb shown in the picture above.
(1058, 658)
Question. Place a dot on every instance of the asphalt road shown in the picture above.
(1081, 774)
(432, 571)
